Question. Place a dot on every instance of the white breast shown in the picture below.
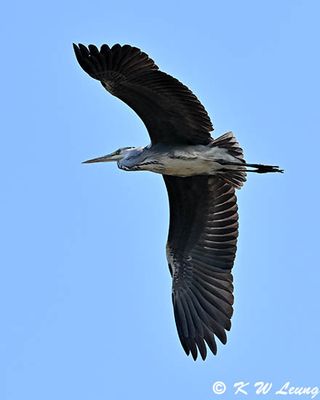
(199, 160)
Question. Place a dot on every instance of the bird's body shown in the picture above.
(178, 160)
(201, 175)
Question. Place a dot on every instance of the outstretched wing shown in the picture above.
(171, 113)
(201, 251)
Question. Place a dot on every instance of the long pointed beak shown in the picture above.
(108, 157)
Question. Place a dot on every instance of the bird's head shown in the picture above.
(115, 156)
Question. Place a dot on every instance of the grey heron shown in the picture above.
(200, 173)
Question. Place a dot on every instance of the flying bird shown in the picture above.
(200, 173)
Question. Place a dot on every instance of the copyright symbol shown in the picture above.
(219, 387)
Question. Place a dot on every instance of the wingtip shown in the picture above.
(203, 356)
(76, 49)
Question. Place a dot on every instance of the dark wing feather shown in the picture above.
(170, 111)
(201, 251)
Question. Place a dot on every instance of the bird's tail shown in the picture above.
(235, 172)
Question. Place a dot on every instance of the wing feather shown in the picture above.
(201, 254)
(171, 113)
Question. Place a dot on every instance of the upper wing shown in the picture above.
(169, 110)
(201, 250)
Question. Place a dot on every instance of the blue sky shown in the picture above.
(85, 289)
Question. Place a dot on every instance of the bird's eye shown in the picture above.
(118, 152)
